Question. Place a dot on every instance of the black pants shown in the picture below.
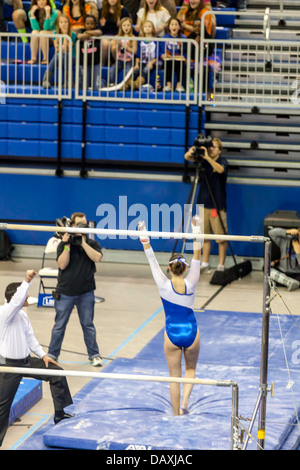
(179, 68)
(9, 384)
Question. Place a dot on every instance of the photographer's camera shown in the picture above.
(66, 222)
(201, 141)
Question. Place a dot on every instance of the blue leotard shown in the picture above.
(181, 324)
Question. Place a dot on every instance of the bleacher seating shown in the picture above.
(143, 133)
(113, 132)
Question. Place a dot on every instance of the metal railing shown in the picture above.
(251, 72)
(260, 71)
(20, 78)
(96, 79)
(166, 71)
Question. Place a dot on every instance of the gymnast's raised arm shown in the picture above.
(159, 277)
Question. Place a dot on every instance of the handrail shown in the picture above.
(239, 78)
(15, 74)
(267, 32)
(106, 92)
(267, 24)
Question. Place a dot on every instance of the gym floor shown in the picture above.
(128, 318)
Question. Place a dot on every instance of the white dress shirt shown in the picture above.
(17, 339)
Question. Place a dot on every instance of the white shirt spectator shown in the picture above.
(161, 17)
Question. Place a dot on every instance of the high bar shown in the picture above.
(134, 233)
(105, 375)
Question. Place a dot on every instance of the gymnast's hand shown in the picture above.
(142, 228)
(196, 228)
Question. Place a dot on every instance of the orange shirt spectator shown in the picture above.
(193, 13)
(76, 11)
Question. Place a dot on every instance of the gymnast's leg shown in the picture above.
(173, 355)
(191, 357)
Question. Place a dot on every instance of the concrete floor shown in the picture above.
(125, 321)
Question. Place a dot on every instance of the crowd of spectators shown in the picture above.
(88, 20)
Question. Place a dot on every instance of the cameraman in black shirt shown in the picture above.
(76, 258)
(212, 191)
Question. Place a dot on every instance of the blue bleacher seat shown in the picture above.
(22, 73)
(16, 49)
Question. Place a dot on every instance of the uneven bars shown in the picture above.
(103, 375)
(135, 233)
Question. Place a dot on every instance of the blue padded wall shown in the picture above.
(114, 131)
(47, 198)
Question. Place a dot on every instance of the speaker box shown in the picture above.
(221, 278)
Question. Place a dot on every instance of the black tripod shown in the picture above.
(238, 270)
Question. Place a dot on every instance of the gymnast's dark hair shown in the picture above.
(11, 289)
(177, 267)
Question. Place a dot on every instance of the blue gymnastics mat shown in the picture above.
(30, 391)
(116, 415)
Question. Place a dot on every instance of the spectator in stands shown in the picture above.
(146, 56)
(156, 13)
(185, 4)
(92, 50)
(21, 18)
(193, 12)
(42, 20)
(94, 8)
(96, 4)
(215, 217)
(61, 47)
(76, 11)
(132, 6)
(111, 14)
(173, 54)
(123, 50)
(286, 270)
(169, 5)
(16, 4)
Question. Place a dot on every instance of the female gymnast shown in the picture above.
(181, 333)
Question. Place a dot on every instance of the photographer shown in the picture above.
(76, 258)
(287, 272)
(212, 193)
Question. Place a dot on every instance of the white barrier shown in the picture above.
(135, 233)
(105, 79)
(25, 79)
(257, 69)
